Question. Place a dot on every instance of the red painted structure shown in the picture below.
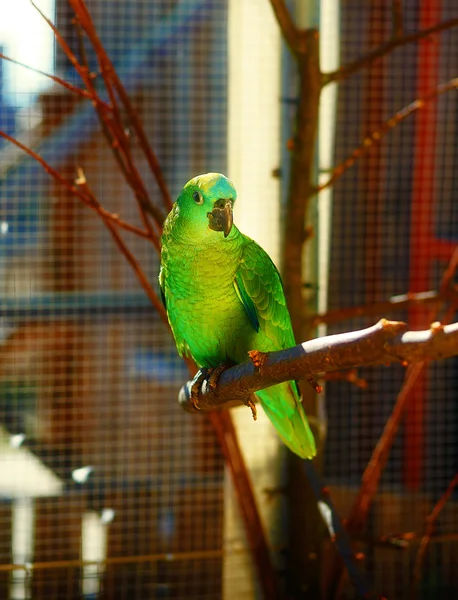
(425, 247)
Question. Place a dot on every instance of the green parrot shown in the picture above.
(224, 297)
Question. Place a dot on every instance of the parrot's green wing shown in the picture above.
(246, 300)
(260, 289)
(161, 287)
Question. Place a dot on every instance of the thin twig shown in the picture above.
(371, 476)
(81, 182)
(376, 136)
(108, 69)
(446, 286)
(133, 180)
(288, 29)
(227, 436)
(113, 218)
(449, 274)
(121, 146)
(119, 143)
(82, 47)
(400, 302)
(351, 376)
(222, 423)
(398, 19)
(337, 532)
(395, 42)
(114, 133)
(69, 86)
(385, 343)
(373, 471)
(425, 540)
(83, 73)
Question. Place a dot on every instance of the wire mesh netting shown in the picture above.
(108, 489)
(394, 231)
(88, 373)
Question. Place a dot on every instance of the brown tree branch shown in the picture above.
(300, 186)
(351, 376)
(116, 136)
(385, 343)
(373, 471)
(424, 543)
(397, 18)
(106, 215)
(304, 46)
(119, 142)
(110, 74)
(432, 297)
(395, 42)
(153, 297)
(221, 422)
(289, 31)
(69, 86)
(376, 136)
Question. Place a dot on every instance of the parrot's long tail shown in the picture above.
(282, 405)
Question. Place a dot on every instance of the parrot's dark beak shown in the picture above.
(221, 217)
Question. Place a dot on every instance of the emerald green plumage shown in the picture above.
(224, 297)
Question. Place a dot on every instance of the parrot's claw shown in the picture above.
(196, 385)
(213, 374)
(210, 376)
(258, 359)
(252, 406)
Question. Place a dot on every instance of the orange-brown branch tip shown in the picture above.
(258, 358)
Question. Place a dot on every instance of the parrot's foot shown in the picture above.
(209, 375)
(196, 385)
(258, 358)
(213, 374)
(249, 402)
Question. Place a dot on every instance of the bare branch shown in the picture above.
(113, 218)
(288, 29)
(430, 298)
(384, 343)
(372, 474)
(155, 301)
(110, 75)
(398, 19)
(221, 422)
(227, 436)
(69, 86)
(374, 469)
(351, 376)
(395, 42)
(119, 140)
(376, 136)
(113, 130)
(430, 526)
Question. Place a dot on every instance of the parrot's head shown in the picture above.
(206, 204)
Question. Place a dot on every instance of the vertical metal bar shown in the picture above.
(22, 546)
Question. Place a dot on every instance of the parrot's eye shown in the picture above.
(197, 198)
